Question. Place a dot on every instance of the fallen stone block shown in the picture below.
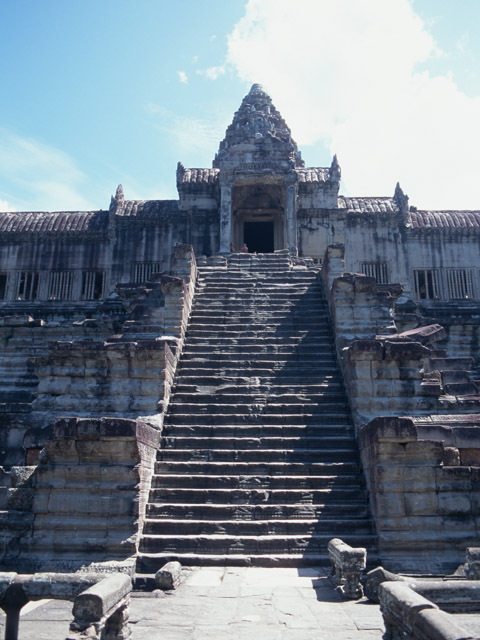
(169, 576)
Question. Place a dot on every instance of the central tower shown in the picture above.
(257, 162)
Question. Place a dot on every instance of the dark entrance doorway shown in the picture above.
(258, 236)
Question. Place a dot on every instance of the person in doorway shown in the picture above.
(232, 248)
(244, 248)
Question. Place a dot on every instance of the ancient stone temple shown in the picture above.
(167, 396)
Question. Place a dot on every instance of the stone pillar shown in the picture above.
(225, 218)
(291, 216)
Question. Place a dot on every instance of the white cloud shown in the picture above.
(346, 74)
(182, 76)
(212, 73)
(4, 206)
(47, 177)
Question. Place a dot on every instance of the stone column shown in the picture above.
(291, 216)
(225, 218)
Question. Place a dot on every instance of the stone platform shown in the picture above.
(233, 603)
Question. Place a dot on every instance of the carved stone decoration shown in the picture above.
(258, 137)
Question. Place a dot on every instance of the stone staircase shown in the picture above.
(259, 463)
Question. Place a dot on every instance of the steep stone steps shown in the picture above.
(259, 463)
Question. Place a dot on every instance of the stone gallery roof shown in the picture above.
(146, 209)
(196, 176)
(369, 205)
(443, 219)
(53, 222)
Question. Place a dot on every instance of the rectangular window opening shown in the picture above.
(377, 270)
(92, 285)
(460, 284)
(60, 285)
(143, 271)
(427, 284)
(28, 285)
(3, 286)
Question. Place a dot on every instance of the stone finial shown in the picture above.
(180, 172)
(117, 200)
(335, 171)
(401, 198)
(256, 88)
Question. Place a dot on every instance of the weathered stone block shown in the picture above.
(419, 478)
(390, 504)
(454, 503)
(453, 479)
(423, 503)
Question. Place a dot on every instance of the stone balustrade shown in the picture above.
(348, 563)
(411, 611)
(472, 569)
(100, 603)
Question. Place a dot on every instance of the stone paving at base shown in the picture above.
(229, 603)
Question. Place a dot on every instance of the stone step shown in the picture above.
(270, 385)
(148, 564)
(259, 455)
(311, 350)
(209, 481)
(254, 397)
(311, 419)
(260, 297)
(236, 315)
(331, 526)
(255, 431)
(199, 495)
(224, 544)
(259, 468)
(245, 443)
(306, 408)
(319, 340)
(210, 511)
(303, 356)
(267, 366)
(257, 326)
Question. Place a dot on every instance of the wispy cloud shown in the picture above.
(182, 76)
(47, 177)
(354, 84)
(212, 73)
(188, 134)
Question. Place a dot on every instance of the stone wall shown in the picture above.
(85, 501)
(424, 483)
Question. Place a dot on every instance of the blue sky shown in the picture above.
(101, 92)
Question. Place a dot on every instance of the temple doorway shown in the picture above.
(258, 210)
(258, 236)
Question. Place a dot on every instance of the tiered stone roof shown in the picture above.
(369, 205)
(53, 222)
(196, 176)
(313, 174)
(443, 219)
(146, 209)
